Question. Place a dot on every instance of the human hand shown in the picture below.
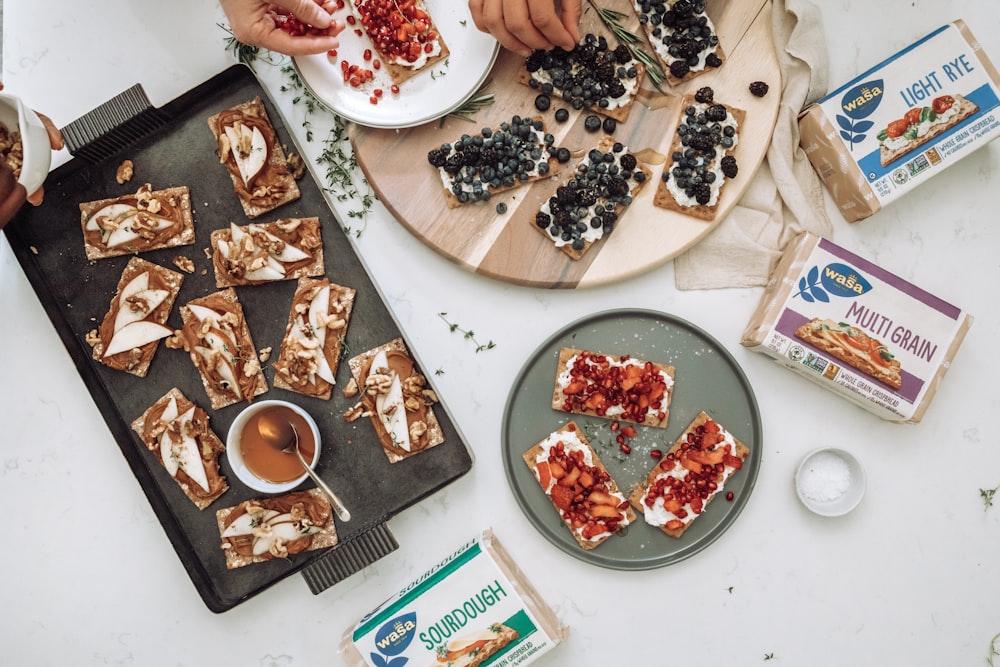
(525, 25)
(12, 193)
(256, 22)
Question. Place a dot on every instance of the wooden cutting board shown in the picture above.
(504, 246)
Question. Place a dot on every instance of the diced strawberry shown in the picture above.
(732, 461)
(602, 498)
(595, 401)
(697, 504)
(544, 474)
(605, 512)
(562, 497)
(574, 387)
(586, 480)
(628, 431)
(674, 524)
(710, 457)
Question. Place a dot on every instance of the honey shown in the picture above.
(264, 459)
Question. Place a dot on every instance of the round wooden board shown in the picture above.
(505, 247)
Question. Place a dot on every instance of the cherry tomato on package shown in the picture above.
(896, 128)
(942, 104)
(913, 115)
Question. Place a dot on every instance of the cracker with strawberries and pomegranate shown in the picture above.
(689, 476)
(613, 387)
(404, 36)
(570, 473)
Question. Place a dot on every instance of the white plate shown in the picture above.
(432, 93)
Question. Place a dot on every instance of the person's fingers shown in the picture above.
(12, 195)
(306, 11)
(55, 136)
(35, 198)
(547, 25)
(510, 23)
(571, 13)
(476, 10)
(300, 45)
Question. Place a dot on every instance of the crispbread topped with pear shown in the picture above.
(285, 249)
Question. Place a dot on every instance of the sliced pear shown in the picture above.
(237, 233)
(151, 299)
(251, 164)
(137, 284)
(394, 418)
(289, 253)
(203, 313)
(222, 366)
(272, 270)
(170, 412)
(319, 308)
(113, 211)
(245, 523)
(184, 455)
(135, 335)
(124, 234)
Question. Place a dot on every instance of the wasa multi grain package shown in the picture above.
(906, 119)
(473, 608)
(856, 328)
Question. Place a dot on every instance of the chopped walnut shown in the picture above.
(184, 264)
(354, 412)
(351, 389)
(414, 384)
(176, 341)
(413, 404)
(278, 548)
(92, 338)
(264, 354)
(251, 367)
(429, 396)
(417, 431)
(224, 146)
(296, 165)
(124, 172)
(378, 382)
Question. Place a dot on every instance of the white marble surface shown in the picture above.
(912, 577)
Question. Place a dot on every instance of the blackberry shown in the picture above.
(729, 166)
(705, 95)
(713, 60)
(679, 69)
(543, 219)
(628, 162)
(542, 102)
(436, 157)
(622, 54)
(716, 113)
(759, 88)
(702, 193)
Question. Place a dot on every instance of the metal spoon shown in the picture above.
(281, 434)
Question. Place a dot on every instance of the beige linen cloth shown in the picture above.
(786, 196)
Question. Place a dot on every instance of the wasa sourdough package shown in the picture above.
(473, 608)
(906, 119)
(856, 329)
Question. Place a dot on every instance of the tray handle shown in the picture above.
(348, 557)
(114, 125)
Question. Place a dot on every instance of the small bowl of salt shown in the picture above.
(830, 481)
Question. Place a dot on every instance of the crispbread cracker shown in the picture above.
(433, 435)
(181, 232)
(531, 457)
(604, 145)
(664, 199)
(276, 174)
(129, 361)
(619, 113)
(209, 445)
(741, 451)
(307, 238)
(287, 366)
(651, 419)
(966, 109)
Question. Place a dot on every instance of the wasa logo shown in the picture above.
(857, 104)
(834, 280)
(392, 639)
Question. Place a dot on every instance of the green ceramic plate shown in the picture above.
(707, 378)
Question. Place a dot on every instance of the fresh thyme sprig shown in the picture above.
(987, 496)
(612, 19)
(467, 334)
(245, 54)
(993, 650)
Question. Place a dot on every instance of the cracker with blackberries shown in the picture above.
(590, 202)
(701, 159)
(475, 167)
(682, 35)
(591, 76)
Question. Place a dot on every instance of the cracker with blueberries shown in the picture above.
(592, 76)
(589, 204)
(473, 168)
(682, 35)
(701, 159)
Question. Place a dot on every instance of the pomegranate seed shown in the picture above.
(625, 448)
(394, 89)
(367, 54)
(730, 495)
(655, 453)
(351, 20)
(332, 53)
(373, 99)
(377, 92)
(614, 426)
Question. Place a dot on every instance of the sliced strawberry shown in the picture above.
(562, 497)
(674, 524)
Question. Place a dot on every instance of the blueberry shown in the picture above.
(609, 125)
(501, 208)
(592, 123)
(542, 102)
(562, 115)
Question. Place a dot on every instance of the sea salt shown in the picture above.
(828, 478)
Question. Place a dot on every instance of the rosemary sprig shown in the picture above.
(471, 106)
(612, 19)
(987, 496)
(467, 334)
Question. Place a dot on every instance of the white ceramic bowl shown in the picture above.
(235, 454)
(830, 481)
(34, 140)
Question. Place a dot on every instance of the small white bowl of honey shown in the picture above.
(255, 459)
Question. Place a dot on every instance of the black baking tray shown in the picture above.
(172, 145)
